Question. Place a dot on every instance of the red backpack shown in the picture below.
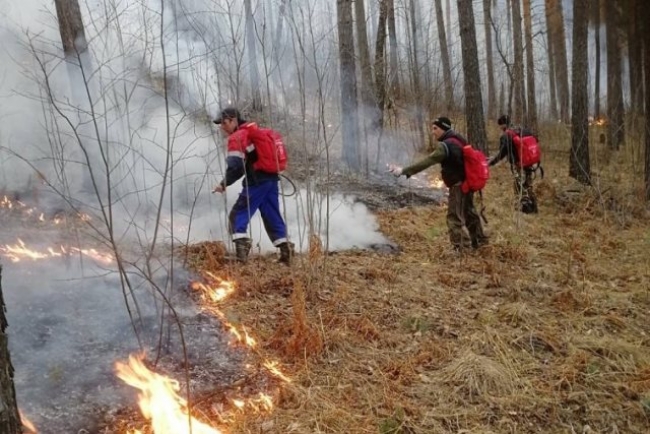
(477, 170)
(269, 144)
(528, 149)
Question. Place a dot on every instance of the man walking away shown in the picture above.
(260, 185)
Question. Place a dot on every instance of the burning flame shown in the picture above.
(159, 400)
(261, 403)
(16, 205)
(273, 369)
(599, 122)
(242, 337)
(27, 424)
(20, 251)
(217, 293)
(222, 289)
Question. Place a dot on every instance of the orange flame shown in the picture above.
(220, 292)
(20, 251)
(159, 400)
(273, 369)
(27, 424)
(6, 202)
(261, 403)
(242, 337)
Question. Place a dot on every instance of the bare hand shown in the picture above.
(219, 189)
(395, 170)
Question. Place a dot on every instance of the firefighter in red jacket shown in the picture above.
(463, 222)
(523, 183)
(260, 189)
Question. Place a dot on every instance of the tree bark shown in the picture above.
(9, 417)
(646, 61)
(551, 66)
(502, 100)
(560, 53)
(71, 27)
(394, 58)
(256, 94)
(518, 67)
(579, 167)
(472, 77)
(635, 57)
(349, 104)
(491, 99)
(278, 29)
(417, 83)
(530, 68)
(597, 49)
(380, 60)
(367, 88)
(615, 108)
(444, 56)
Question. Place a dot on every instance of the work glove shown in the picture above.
(395, 170)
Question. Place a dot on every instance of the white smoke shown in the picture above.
(129, 134)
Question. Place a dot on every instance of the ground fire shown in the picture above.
(159, 398)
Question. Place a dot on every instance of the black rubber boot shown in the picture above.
(242, 249)
(286, 253)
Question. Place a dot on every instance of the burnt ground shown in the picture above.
(384, 192)
(68, 325)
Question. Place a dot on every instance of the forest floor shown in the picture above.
(545, 330)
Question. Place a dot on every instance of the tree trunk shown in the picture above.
(448, 9)
(256, 94)
(472, 77)
(560, 53)
(491, 100)
(9, 417)
(530, 68)
(635, 57)
(579, 168)
(374, 14)
(518, 67)
(596, 13)
(349, 104)
(615, 108)
(367, 88)
(419, 117)
(71, 27)
(380, 60)
(368, 94)
(444, 55)
(646, 61)
(551, 66)
(278, 30)
(394, 58)
(502, 100)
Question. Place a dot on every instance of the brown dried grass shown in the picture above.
(546, 330)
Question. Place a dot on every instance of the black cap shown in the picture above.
(443, 123)
(229, 113)
(504, 120)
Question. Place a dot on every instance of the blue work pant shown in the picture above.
(264, 196)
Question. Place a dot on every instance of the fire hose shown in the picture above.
(293, 187)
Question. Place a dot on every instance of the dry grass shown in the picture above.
(545, 330)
